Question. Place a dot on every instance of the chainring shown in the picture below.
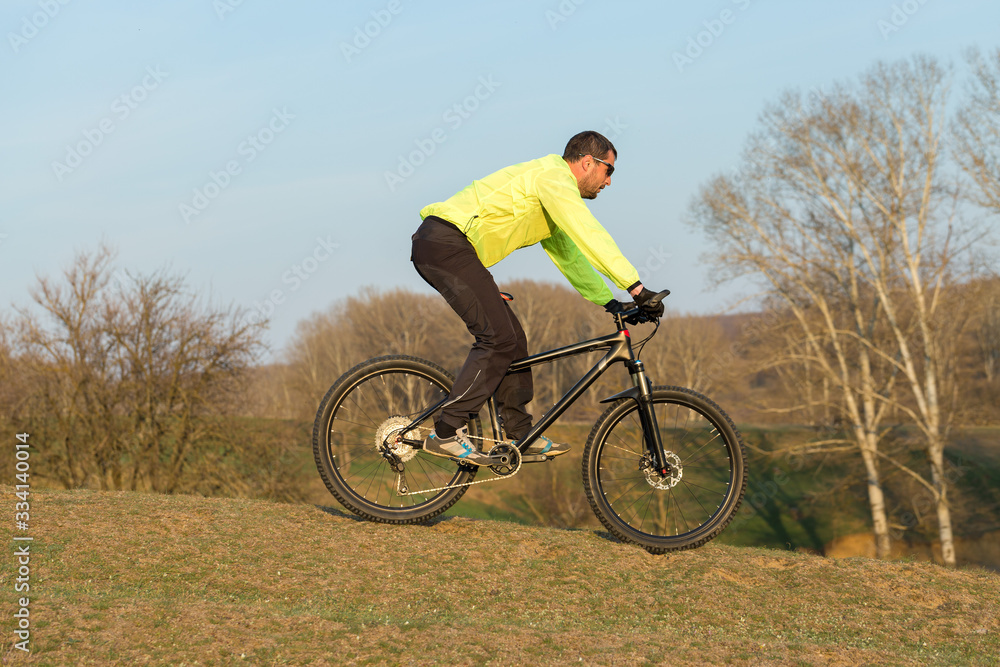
(513, 459)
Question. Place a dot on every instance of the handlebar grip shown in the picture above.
(640, 314)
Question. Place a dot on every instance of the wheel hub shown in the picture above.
(663, 479)
(389, 436)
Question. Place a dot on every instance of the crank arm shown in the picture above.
(494, 461)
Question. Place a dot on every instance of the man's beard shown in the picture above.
(590, 191)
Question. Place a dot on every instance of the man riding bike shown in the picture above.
(540, 201)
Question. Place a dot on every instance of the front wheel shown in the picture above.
(701, 490)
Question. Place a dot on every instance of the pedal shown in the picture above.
(498, 461)
(470, 464)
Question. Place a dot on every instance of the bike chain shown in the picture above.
(401, 482)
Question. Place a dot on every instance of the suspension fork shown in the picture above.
(647, 416)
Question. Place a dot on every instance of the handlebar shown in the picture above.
(640, 314)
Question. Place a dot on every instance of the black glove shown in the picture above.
(645, 295)
(615, 306)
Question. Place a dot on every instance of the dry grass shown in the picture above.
(125, 578)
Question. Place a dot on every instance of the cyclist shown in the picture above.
(540, 201)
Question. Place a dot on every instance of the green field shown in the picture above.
(132, 578)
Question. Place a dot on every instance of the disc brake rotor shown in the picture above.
(390, 434)
(656, 479)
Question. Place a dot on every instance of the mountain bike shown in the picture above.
(663, 467)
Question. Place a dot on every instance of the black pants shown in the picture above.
(448, 262)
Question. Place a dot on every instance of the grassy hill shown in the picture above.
(817, 504)
(126, 578)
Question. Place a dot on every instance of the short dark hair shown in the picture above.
(588, 143)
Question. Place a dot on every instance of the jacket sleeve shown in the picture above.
(578, 271)
(563, 204)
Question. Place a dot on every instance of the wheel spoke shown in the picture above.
(650, 508)
(623, 493)
(358, 414)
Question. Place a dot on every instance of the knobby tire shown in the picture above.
(707, 492)
(344, 435)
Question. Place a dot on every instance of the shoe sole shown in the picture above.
(549, 453)
(456, 459)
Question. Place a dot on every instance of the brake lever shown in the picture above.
(636, 317)
(654, 302)
(639, 315)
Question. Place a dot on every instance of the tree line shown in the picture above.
(131, 381)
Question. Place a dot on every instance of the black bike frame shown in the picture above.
(619, 346)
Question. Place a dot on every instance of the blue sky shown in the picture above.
(247, 144)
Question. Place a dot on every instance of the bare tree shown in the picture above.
(176, 360)
(10, 386)
(127, 375)
(320, 351)
(685, 352)
(69, 367)
(846, 212)
(988, 334)
(977, 150)
(977, 130)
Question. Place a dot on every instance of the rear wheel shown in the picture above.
(697, 496)
(366, 406)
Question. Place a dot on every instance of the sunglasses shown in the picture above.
(611, 167)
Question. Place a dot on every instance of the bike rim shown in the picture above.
(676, 508)
(351, 435)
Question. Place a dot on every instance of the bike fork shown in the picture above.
(647, 417)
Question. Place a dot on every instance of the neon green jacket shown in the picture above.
(538, 201)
